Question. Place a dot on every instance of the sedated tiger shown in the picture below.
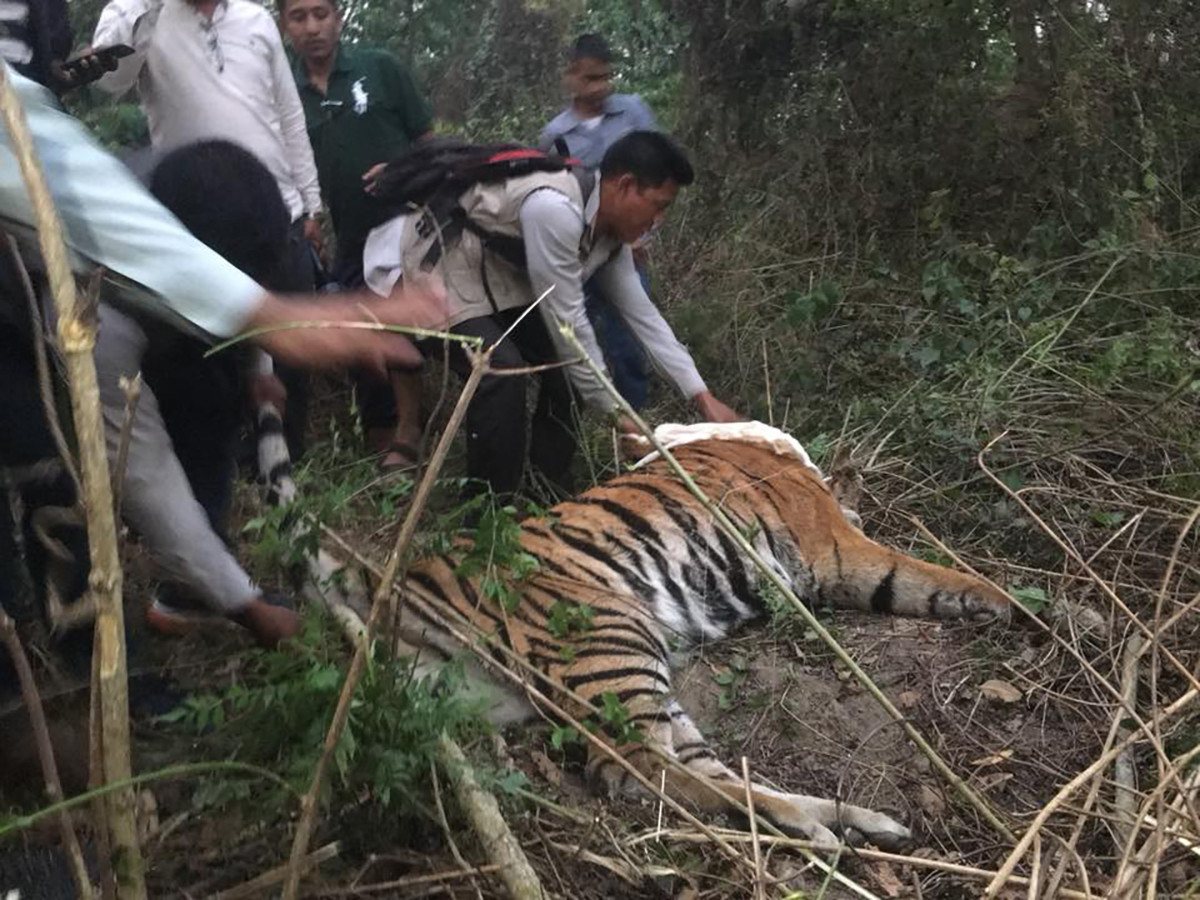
(651, 564)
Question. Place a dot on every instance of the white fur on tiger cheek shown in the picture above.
(672, 436)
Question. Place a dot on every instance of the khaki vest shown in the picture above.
(496, 208)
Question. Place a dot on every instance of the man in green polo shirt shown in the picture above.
(363, 108)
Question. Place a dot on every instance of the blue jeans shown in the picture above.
(625, 356)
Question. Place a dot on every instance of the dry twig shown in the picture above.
(516, 872)
(760, 891)
(1125, 799)
(309, 804)
(260, 884)
(45, 749)
(132, 389)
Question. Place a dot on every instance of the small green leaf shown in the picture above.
(562, 736)
(1012, 479)
(927, 355)
(1033, 599)
(1108, 519)
(511, 782)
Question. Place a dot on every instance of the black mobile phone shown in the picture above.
(80, 70)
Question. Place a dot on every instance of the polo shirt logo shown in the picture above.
(359, 93)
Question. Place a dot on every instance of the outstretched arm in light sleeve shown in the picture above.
(551, 226)
(618, 283)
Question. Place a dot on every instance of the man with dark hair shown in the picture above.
(591, 123)
(595, 117)
(570, 231)
(157, 268)
(363, 108)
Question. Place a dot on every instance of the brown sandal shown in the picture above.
(407, 453)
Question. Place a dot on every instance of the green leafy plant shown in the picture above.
(815, 304)
(1034, 599)
(277, 716)
(615, 720)
(730, 681)
(563, 735)
(496, 556)
(568, 619)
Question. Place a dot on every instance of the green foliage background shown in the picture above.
(1032, 123)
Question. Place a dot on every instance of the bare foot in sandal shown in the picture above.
(400, 455)
(400, 445)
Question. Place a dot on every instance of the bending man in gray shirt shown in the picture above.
(568, 238)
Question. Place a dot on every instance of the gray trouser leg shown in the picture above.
(156, 499)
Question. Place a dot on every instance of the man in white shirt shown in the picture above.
(208, 69)
(216, 69)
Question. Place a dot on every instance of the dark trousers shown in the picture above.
(496, 417)
(624, 355)
(25, 439)
(376, 400)
(295, 275)
(200, 400)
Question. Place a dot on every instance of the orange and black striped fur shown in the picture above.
(654, 568)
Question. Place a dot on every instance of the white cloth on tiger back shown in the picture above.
(779, 442)
(672, 436)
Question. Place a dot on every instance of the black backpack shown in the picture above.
(434, 174)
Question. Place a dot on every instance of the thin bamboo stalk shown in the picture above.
(308, 808)
(516, 873)
(77, 338)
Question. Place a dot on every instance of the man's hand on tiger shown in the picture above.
(713, 410)
(631, 444)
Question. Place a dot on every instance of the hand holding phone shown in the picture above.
(90, 64)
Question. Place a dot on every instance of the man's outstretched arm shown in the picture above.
(618, 282)
(111, 221)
